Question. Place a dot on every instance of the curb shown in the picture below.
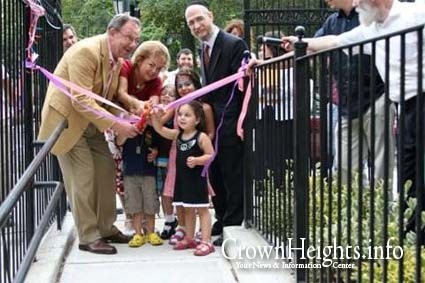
(52, 252)
(239, 239)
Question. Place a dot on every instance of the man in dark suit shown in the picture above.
(221, 56)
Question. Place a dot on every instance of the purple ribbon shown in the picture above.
(207, 165)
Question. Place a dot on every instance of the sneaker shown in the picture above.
(128, 228)
(169, 229)
(137, 241)
(178, 236)
(154, 239)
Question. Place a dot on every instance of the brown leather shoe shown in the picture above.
(98, 247)
(118, 238)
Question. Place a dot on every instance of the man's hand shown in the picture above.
(288, 43)
(126, 130)
(251, 64)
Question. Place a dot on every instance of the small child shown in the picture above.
(168, 95)
(194, 149)
(186, 81)
(141, 199)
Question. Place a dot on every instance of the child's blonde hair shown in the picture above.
(148, 49)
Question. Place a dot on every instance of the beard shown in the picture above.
(367, 13)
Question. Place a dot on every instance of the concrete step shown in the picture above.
(241, 246)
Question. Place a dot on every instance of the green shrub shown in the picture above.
(356, 208)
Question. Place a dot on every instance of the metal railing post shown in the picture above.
(302, 146)
(248, 176)
(28, 138)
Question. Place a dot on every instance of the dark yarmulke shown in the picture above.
(199, 2)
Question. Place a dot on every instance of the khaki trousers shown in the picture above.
(361, 133)
(88, 172)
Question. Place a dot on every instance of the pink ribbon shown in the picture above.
(211, 87)
(206, 89)
(64, 86)
(244, 110)
(207, 165)
(36, 12)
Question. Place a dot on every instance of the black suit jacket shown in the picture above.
(225, 60)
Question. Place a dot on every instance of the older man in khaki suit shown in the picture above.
(84, 158)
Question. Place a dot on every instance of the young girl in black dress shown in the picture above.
(194, 149)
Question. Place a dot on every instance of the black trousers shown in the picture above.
(274, 146)
(408, 130)
(408, 147)
(226, 177)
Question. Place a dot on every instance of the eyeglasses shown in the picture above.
(184, 84)
(130, 37)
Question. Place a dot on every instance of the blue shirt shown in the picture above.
(135, 154)
(346, 73)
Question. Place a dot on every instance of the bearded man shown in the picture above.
(379, 18)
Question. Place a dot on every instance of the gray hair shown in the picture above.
(69, 27)
(119, 20)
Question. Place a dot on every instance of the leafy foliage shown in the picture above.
(357, 210)
(161, 19)
(338, 213)
(89, 17)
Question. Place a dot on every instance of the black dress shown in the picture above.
(191, 188)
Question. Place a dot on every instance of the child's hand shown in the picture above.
(191, 161)
(153, 153)
(160, 111)
(120, 140)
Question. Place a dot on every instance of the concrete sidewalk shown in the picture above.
(148, 263)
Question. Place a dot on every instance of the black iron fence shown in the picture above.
(26, 210)
(352, 192)
(277, 17)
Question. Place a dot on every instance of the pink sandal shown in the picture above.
(204, 248)
(198, 237)
(177, 237)
(185, 244)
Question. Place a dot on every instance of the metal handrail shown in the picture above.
(39, 232)
(28, 176)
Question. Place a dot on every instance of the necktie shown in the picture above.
(206, 55)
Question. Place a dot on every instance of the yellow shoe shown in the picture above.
(154, 239)
(137, 241)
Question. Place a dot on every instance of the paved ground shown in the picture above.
(60, 261)
(147, 263)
